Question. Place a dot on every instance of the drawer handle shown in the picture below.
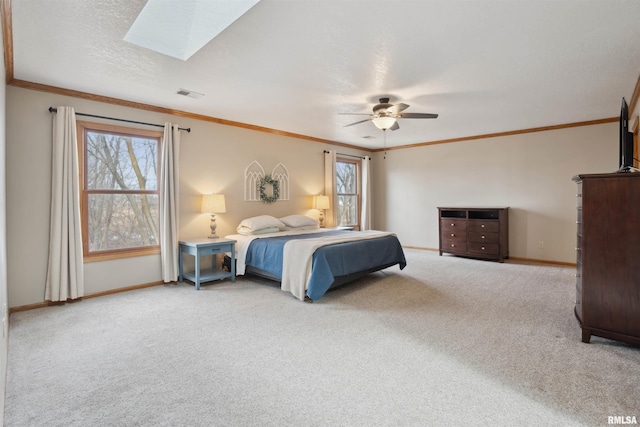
(482, 226)
(453, 235)
(578, 249)
(452, 224)
(453, 245)
(483, 236)
(577, 275)
(483, 248)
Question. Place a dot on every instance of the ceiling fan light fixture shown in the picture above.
(384, 122)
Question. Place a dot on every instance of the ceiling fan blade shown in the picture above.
(355, 114)
(418, 116)
(395, 109)
(356, 123)
(395, 126)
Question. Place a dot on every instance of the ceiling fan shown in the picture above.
(385, 115)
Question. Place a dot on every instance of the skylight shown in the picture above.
(181, 28)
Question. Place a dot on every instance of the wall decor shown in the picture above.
(260, 187)
(281, 174)
(269, 189)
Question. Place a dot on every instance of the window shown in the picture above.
(348, 192)
(120, 194)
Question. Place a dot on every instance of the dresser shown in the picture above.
(475, 232)
(608, 256)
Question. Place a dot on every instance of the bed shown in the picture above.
(308, 260)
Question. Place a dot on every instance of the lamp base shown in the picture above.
(321, 219)
(213, 226)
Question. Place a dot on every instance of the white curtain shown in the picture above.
(366, 218)
(65, 275)
(331, 214)
(169, 177)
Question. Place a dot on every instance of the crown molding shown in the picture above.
(508, 133)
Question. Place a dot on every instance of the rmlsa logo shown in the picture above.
(619, 419)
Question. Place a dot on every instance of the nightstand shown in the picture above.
(207, 247)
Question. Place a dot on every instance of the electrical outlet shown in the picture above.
(541, 244)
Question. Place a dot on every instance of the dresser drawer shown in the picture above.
(579, 305)
(579, 220)
(454, 234)
(484, 248)
(478, 236)
(579, 276)
(484, 226)
(455, 245)
(453, 225)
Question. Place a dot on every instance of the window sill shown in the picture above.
(128, 253)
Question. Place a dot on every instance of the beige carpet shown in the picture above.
(447, 341)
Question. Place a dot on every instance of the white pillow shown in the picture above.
(296, 221)
(247, 232)
(304, 227)
(258, 223)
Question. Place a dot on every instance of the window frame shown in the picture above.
(358, 163)
(82, 127)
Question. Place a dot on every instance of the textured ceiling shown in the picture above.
(484, 66)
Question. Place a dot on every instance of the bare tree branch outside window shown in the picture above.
(121, 190)
(347, 192)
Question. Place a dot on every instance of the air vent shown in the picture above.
(369, 137)
(190, 93)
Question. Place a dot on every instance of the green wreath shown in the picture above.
(261, 188)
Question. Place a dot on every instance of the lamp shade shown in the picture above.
(213, 203)
(321, 202)
(384, 122)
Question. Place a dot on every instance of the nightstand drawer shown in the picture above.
(215, 250)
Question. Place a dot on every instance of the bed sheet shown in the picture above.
(267, 254)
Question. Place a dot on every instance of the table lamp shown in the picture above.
(213, 204)
(321, 203)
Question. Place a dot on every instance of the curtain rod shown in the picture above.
(350, 155)
(55, 110)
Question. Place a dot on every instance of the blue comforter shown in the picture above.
(331, 261)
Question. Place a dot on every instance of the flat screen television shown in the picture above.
(626, 140)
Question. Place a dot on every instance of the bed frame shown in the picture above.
(339, 280)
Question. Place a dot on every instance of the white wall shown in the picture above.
(3, 244)
(530, 173)
(213, 158)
